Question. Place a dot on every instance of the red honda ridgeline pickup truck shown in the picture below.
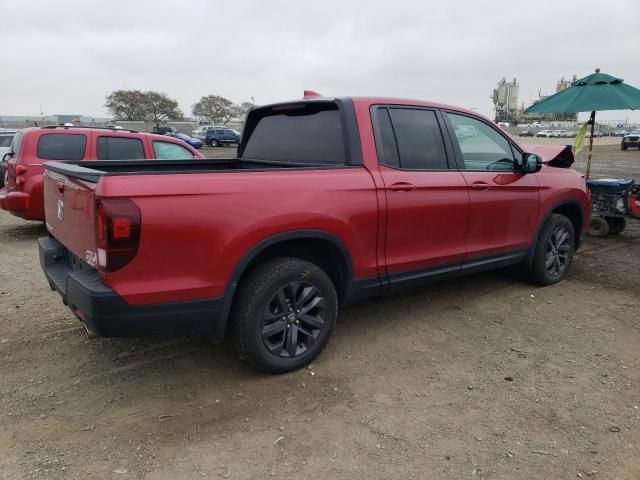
(329, 201)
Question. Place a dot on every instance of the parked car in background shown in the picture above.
(619, 133)
(194, 142)
(630, 140)
(570, 134)
(545, 133)
(525, 133)
(328, 202)
(217, 137)
(596, 133)
(32, 147)
(201, 132)
(6, 136)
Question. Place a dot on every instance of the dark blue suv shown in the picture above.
(216, 137)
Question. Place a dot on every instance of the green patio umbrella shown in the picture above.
(594, 92)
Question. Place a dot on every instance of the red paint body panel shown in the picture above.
(197, 227)
(26, 201)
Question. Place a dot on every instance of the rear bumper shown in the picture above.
(105, 314)
(14, 201)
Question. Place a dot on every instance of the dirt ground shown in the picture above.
(485, 377)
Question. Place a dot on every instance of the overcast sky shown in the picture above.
(68, 55)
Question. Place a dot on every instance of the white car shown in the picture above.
(6, 136)
(201, 132)
(545, 133)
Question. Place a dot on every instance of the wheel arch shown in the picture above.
(570, 208)
(319, 247)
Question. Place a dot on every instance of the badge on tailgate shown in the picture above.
(60, 210)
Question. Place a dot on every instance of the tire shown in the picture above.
(214, 143)
(623, 147)
(616, 224)
(553, 251)
(598, 227)
(279, 344)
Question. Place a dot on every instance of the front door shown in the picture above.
(427, 202)
(503, 202)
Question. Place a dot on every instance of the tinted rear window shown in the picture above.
(419, 139)
(119, 148)
(61, 146)
(305, 133)
(5, 140)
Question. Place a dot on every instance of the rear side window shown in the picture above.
(419, 139)
(5, 140)
(171, 151)
(61, 146)
(120, 148)
(303, 133)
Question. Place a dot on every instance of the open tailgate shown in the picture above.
(69, 204)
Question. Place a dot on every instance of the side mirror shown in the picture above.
(531, 163)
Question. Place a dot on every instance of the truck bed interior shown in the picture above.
(92, 170)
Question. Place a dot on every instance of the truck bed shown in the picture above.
(91, 171)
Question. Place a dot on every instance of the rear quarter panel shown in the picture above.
(197, 227)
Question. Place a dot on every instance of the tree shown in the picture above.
(214, 108)
(137, 105)
(126, 104)
(159, 107)
(219, 110)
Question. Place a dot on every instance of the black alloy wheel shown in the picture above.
(557, 254)
(293, 319)
(283, 314)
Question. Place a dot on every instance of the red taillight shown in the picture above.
(20, 169)
(117, 233)
(20, 180)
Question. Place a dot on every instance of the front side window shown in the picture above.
(120, 148)
(171, 151)
(482, 147)
(61, 146)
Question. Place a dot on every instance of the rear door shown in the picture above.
(427, 201)
(503, 202)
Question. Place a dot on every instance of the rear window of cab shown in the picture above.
(62, 146)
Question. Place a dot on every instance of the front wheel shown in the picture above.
(598, 227)
(553, 251)
(214, 143)
(283, 314)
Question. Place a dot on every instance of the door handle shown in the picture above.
(402, 187)
(480, 185)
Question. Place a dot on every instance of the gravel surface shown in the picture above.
(485, 377)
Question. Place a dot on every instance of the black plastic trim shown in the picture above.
(105, 314)
(416, 278)
(579, 238)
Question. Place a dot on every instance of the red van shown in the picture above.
(32, 147)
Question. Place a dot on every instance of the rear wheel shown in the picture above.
(616, 225)
(598, 227)
(214, 143)
(553, 251)
(283, 315)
